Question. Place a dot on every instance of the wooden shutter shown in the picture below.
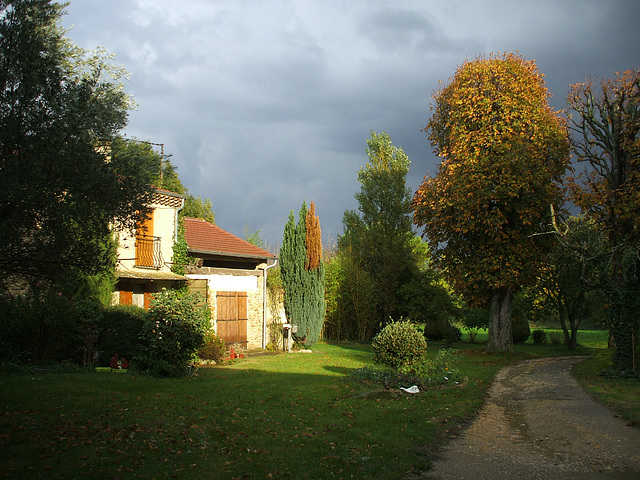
(232, 317)
(144, 241)
(126, 297)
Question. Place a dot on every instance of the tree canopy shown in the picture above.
(504, 152)
(379, 235)
(60, 108)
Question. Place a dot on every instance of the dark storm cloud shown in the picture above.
(264, 104)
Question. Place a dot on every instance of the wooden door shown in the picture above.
(231, 317)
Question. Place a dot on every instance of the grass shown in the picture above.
(621, 395)
(271, 416)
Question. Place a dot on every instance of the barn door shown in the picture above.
(232, 317)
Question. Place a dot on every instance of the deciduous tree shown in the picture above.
(607, 127)
(60, 108)
(504, 152)
(573, 270)
(379, 235)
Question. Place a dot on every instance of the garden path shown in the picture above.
(538, 423)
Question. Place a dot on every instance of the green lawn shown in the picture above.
(269, 416)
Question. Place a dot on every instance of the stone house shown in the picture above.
(144, 256)
(231, 274)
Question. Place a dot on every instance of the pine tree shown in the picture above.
(303, 274)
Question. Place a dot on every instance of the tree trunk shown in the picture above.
(562, 314)
(500, 338)
(621, 320)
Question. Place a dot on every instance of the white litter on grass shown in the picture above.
(411, 389)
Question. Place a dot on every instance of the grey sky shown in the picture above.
(265, 104)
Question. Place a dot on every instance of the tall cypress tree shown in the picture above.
(303, 274)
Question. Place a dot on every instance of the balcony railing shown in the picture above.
(148, 253)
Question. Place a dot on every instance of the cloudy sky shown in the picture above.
(264, 104)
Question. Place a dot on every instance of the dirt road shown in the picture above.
(538, 423)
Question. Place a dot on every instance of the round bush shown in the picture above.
(520, 329)
(173, 330)
(399, 344)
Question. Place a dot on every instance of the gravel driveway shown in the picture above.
(538, 423)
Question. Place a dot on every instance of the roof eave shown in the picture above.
(229, 254)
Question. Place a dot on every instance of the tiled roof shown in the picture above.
(205, 237)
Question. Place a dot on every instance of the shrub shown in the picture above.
(452, 334)
(119, 333)
(40, 326)
(213, 348)
(424, 373)
(173, 330)
(520, 329)
(539, 336)
(473, 319)
(398, 344)
(441, 329)
(556, 338)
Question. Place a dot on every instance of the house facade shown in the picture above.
(144, 256)
(231, 273)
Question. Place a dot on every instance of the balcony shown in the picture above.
(148, 252)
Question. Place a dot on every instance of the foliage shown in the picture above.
(60, 107)
(474, 319)
(351, 299)
(313, 239)
(539, 336)
(173, 330)
(426, 299)
(213, 348)
(436, 329)
(452, 334)
(195, 207)
(119, 332)
(44, 325)
(254, 238)
(304, 301)
(399, 344)
(378, 236)
(520, 328)
(181, 257)
(163, 174)
(607, 127)
(575, 267)
(504, 152)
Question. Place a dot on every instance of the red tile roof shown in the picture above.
(205, 237)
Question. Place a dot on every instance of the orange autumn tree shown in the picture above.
(313, 240)
(504, 152)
